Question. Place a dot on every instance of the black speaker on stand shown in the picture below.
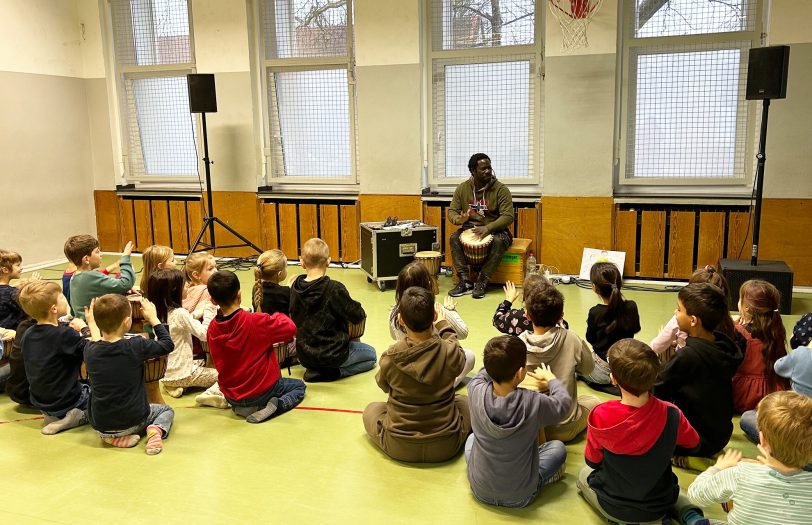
(766, 79)
(203, 99)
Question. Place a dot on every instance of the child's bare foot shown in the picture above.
(155, 440)
(122, 441)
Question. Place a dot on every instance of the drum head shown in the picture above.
(427, 255)
(469, 237)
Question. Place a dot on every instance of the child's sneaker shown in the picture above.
(155, 441)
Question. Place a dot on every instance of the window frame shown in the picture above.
(480, 56)
(260, 66)
(118, 114)
(628, 47)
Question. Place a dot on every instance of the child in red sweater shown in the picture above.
(241, 346)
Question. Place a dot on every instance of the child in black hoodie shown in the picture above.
(699, 378)
(323, 310)
(629, 444)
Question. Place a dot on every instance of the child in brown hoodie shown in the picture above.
(423, 421)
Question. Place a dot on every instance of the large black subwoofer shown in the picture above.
(777, 273)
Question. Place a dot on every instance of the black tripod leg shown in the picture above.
(206, 222)
(237, 234)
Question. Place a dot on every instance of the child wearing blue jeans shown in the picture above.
(506, 465)
(323, 310)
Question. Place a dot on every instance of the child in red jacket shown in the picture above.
(241, 346)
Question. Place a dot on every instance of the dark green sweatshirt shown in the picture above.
(498, 212)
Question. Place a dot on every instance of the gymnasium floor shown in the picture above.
(313, 465)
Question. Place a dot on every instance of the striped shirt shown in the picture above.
(760, 494)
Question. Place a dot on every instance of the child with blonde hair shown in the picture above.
(760, 324)
(269, 296)
(197, 269)
(166, 287)
(416, 274)
(775, 489)
(154, 258)
(671, 336)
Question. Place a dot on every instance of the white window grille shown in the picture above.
(485, 64)
(306, 53)
(683, 115)
(154, 51)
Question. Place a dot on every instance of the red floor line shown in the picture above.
(321, 409)
(23, 419)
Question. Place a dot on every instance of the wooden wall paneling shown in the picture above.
(681, 244)
(350, 241)
(449, 228)
(626, 239)
(711, 242)
(143, 224)
(652, 244)
(785, 227)
(329, 226)
(108, 220)
(179, 225)
(309, 222)
(570, 224)
(238, 209)
(526, 227)
(125, 213)
(739, 235)
(194, 221)
(288, 239)
(376, 208)
(160, 222)
(268, 225)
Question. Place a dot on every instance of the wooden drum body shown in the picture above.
(475, 248)
(430, 259)
(137, 315)
(357, 330)
(154, 370)
(286, 354)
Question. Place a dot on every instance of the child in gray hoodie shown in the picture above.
(506, 464)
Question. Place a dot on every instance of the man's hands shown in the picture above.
(511, 294)
(481, 231)
(731, 458)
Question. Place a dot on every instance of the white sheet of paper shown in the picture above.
(592, 256)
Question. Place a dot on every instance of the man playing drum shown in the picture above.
(485, 206)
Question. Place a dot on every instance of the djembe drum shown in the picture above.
(6, 351)
(430, 259)
(154, 370)
(137, 315)
(356, 330)
(286, 354)
(475, 248)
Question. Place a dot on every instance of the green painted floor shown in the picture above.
(304, 467)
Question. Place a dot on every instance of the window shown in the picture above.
(485, 60)
(308, 89)
(684, 117)
(154, 52)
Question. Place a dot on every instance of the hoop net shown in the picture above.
(574, 17)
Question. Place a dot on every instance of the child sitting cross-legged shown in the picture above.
(563, 351)
(629, 444)
(241, 345)
(119, 411)
(52, 356)
(506, 464)
(86, 284)
(775, 490)
(422, 421)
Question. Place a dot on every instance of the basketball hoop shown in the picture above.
(574, 17)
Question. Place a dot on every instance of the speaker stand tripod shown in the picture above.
(211, 219)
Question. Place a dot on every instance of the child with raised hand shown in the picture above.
(119, 411)
(614, 319)
(422, 420)
(416, 274)
(506, 464)
(269, 295)
(671, 336)
(71, 269)
(166, 287)
(699, 377)
(86, 284)
(563, 351)
(52, 356)
(629, 444)
(154, 258)
(241, 345)
(323, 310)
(511, 321)
(197, 268)
(760, 324)
(775, 490)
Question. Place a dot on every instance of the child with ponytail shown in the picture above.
(614, 319)
(760, 324)
(671, 335)
(197, 269)
(268, 295)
